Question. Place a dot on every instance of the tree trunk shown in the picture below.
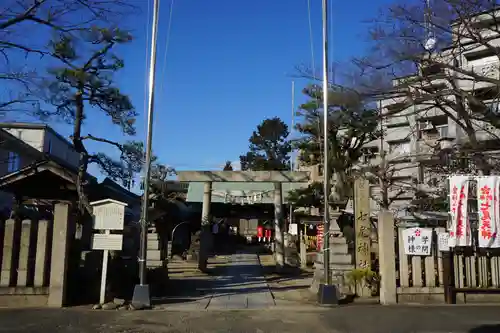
(84, 156)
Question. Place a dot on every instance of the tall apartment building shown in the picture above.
(411, 135)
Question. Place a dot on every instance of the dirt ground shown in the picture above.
(288, 287)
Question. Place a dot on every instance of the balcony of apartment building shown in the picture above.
(485, 23)
(433, 133)
(400, 192)
(484, 62)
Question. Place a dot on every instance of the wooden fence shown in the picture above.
(420, 279)
(25, 259)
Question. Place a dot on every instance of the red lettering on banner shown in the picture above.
(460, 219)
(485, 199)
(454, 198)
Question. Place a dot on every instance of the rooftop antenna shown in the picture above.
(430, 42)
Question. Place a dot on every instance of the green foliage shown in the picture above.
(86, 76)
(363, 277)
(228, 166)
(130, 163)
(81, 88)
(310, 196)
(269, 147)
(27, 26)
(351, 124)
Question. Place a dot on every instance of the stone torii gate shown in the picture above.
(276, 177)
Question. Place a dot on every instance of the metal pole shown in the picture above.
(141, 292)
(149, 144)
(293, 122)
(290, 220)
(326, 181)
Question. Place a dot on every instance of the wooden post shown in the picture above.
(448, 278)
(104, 273)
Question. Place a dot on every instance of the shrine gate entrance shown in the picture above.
(276, 178)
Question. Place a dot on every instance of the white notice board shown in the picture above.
(417, 241)
(107, 242)
(108, 214)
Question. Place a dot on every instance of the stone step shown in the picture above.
(336, 267)
(154, 263)
(154, 255)
(153, 236)
(338, 240)
(153, 244)
(339, 248)
(336, 258)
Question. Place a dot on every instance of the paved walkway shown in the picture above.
(236, 284)
(242, 286)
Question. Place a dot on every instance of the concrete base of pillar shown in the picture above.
(141, 298)
(340, 261)
(338, 278)
(328, 295)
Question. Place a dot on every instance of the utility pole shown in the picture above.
(326, 174)
(327, 293)
(141, 298)
(290, 219)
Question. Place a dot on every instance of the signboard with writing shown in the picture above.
(460, 233)
(319, 236)
(443, 241)
(362, 223)
(488, 211)
(417, 241)
(108, 214)
(107, 242)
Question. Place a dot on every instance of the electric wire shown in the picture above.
(313, 70)
(311, 39)
(146, 70)
(167, 44)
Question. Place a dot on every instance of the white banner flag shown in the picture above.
(488, 211)
(460, 233)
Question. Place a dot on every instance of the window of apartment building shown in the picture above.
(369, 154)
(432, 70)
(13, 162)
(402, 147)
(395, 107)
(435, 126)
(403, 123)
(485, 56)
(493, 106)
(488, 93)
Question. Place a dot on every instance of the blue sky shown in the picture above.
(228, 67)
